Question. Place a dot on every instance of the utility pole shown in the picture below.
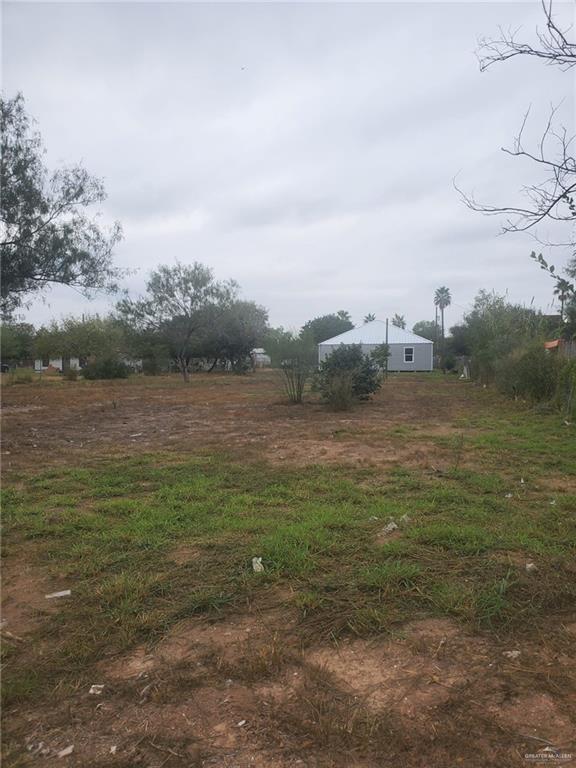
(386, 364)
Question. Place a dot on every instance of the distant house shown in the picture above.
(408, 352)
(562, 347)
(58, 363)
(64, 363)
(259, 358)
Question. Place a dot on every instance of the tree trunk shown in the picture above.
(443, 341)
(213, 365)
(183, 365)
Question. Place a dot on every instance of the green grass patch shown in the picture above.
(110, 531)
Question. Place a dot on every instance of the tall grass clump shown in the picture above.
(565, 396)
(494, 330)
(538, 376)
(21, 376)
(531, 374)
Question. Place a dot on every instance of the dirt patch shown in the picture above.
(194, 700)
(409, 674)
(135, 664)
(240, 645)
(240, 691)
(185, 554)
(536, 715)
(24, 590)
(91, 419)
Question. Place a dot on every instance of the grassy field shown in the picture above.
(432, 644)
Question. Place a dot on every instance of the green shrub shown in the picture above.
(295, 373)
(150, 366)
(106, 368)
(531, 374)
(347, 374)
(565, 396)
(296, 357)
(338, 390)
(380, 355)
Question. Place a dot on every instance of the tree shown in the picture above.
(551, 197)
(179, 308)
(234, 333)
(442, 299)
(370, 317)
(492, 330)
(88, 338)
(428, 329)
(327, 326)
(398, 321)
(47, 234)
(17, 342)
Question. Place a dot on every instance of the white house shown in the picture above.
(260, 359)
(408, 352)
(60, 363)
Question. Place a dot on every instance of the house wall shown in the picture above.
(423, 355)
(56, 362)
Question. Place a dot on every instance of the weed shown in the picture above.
(389, 575)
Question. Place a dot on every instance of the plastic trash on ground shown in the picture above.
(257, 566)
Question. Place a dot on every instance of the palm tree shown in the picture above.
(399, 321)
(562, 290)
(442, 299)
(369, 318)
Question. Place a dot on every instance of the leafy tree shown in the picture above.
(493, 330)
(276, 342)
(17, 342)
(179, 308)
(85, 338)
(428, 329)
(327, 326)
(146, 345)
(398, 321)
(564, 289)
(234, 333)
(47, 234)
(370, 317)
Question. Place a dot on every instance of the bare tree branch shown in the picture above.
(553, 45)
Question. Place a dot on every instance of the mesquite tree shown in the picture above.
(47, 234)
(179, 306)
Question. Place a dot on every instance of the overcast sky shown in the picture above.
(306, 150)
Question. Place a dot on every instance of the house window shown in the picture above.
(408, 354)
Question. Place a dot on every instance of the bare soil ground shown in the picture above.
(58, 421)
(246, 690)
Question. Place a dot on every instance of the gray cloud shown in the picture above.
(308, 151)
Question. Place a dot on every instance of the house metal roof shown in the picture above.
(375, 333)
